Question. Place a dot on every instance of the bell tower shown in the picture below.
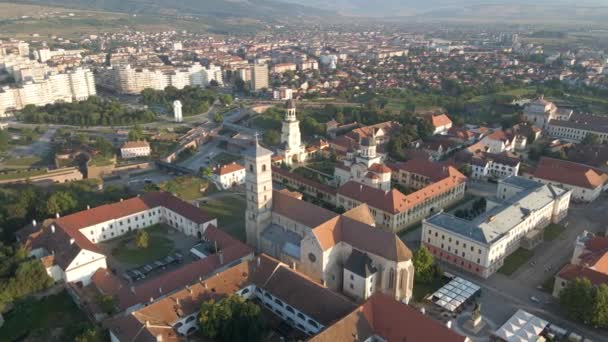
(258, 182)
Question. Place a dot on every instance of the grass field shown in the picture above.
(230, 213)
(54, 318)
(22, 174)
(553, 231)
(159, 247)
(23, 162)
(187, 188)
(514, 261)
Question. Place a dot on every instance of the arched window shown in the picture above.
(263, 167)
(391, 278)
(251, 167)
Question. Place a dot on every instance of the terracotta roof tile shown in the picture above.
(229, 168)
(383, 316)
(570, 173)
(440, 120)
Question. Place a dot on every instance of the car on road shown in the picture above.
(535, 299)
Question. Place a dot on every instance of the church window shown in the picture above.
(312, 257)
(251, 168)
(264, 168)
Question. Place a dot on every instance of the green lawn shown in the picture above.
(24, 162)
(187, 188)
(54, 318)
(515, 261)
(159, 247)
(225, 158)
(230, 213)
(22, 174)
(553, 231)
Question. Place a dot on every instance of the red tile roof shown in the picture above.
(385, 317)
(229, 168)
(570, 173)
(440, 120)
(571, 272)
(302, 212)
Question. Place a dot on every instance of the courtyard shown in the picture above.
(123, 253)
(229, 209)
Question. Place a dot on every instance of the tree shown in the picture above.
(218, 117)
(30, 277)
(136, 133)
(106, 303)
(591, 139)
(577, 299)
(272, 137)
(60, 202)
(423, 265)
(231, 319)
(142, 239)
(600, 307)
(207, 172)
(91, 335)
(225, 99)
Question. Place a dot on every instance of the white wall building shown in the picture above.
(230, 175)
(135, 149)
(67, 245)
(521, 210)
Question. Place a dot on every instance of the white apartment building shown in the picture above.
(135, 149)
(67, 245)
(74, 85)
(131, 80)
(259, 77)
(520, 211)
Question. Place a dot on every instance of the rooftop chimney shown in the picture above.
(34, 223)
(88, 207)
(71, 241)
(258, 261)
(160, 290)
(133, 289)
(121, 199)
(52, 228)
(449, 324)
(220, 254)
(57, 215)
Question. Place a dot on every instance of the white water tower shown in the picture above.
(177, 111)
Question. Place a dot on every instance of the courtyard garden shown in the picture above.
(128, 248)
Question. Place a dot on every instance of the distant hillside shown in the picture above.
(252, 9)
(542, 10)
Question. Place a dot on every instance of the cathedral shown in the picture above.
(364, 165)
(292, 150)
(346, 253)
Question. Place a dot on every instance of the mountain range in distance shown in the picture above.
(479, 11)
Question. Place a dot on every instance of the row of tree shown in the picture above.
(93, 111)
(195, 100)
(20, 203)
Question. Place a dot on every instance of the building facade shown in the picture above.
(520, 211)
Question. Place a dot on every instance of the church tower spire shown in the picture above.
(258, 182)
(291, 139)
